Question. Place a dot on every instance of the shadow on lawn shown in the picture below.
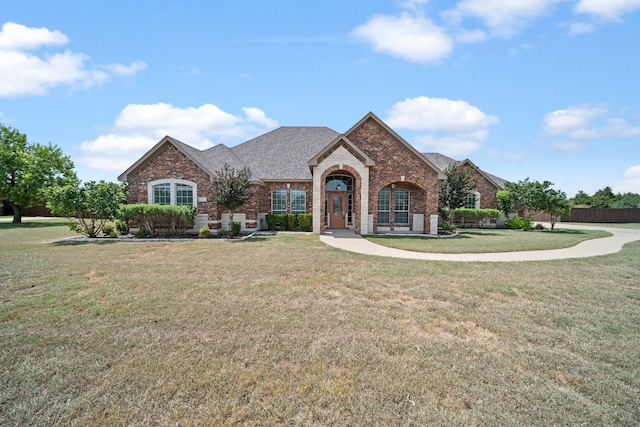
(32, 224)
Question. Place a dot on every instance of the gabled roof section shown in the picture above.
(192, 153)
(283, 153)
(393, 133)
(339, 141)
(443, 161)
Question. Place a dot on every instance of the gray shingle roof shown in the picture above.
(442, 161)
(284, 153)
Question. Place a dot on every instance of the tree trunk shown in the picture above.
(17, 213)
(230, 224)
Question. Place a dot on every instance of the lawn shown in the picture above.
(496, 240)
(283, 330)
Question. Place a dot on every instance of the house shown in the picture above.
(368, 179)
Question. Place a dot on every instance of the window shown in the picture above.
(172, 192)
(472, 201)
(184, 194)
(298, 201)
(401, 206)
(384, 204)
(279, 201)
(162, 194)
(339, 183)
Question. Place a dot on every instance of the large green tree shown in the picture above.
(230, 188)
(88, 206)
(27, 170)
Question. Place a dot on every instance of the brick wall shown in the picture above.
(393, 161)
(170, 163)
(488, 199)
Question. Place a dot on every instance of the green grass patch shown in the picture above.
(283, 330)
(489, 241)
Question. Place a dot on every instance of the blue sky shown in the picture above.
(546, 89)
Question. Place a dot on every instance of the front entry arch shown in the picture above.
(339, 200)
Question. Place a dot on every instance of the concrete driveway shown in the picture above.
(349, 241)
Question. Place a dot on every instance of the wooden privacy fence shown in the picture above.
(596, 215)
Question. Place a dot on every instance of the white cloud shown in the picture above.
(438, 114)
(607, 10)
(39, 73)
(19, 37)
(412, 38)
(578, 28)
(503, 17)
(455, 128)
(258, 116)
(572, 119)
(140, 126)
(587, 122)
(126, 70)
(631, 181)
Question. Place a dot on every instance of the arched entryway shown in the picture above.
(339, 200)
(401, 207)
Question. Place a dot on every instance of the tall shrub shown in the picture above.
(160, 220)
(305, 221)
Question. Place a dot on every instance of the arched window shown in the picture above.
(472, 201)
(339, 183)
(173, 192)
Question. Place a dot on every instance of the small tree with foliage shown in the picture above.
(456, 188)
(27, 170)
(230, 188)
(555, 204)
(88, 206)
(534, 196)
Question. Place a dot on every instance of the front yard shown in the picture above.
(283, 330)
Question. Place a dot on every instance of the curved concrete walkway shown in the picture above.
(349, 241)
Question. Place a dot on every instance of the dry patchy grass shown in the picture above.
(286, 331)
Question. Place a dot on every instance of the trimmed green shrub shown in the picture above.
(292, 223)
(305, 221)
(159, 220)
(475, 217)
(520, 223)
(237, 226)
(283, 221)
(204, 232)
(122, 226)
(271, 222)
(143, 232)
(109, 230)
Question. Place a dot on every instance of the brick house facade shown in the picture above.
(368, 179)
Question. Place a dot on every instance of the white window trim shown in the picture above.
(408, 211)
(174, 193)
(304, 193)
(477, 199)
(286, 197)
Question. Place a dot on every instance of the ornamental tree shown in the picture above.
(456, 188)
(556, 204)
(27, 170)
(230, 189)
(88, 206)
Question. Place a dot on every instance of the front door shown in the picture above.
(337, 210)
